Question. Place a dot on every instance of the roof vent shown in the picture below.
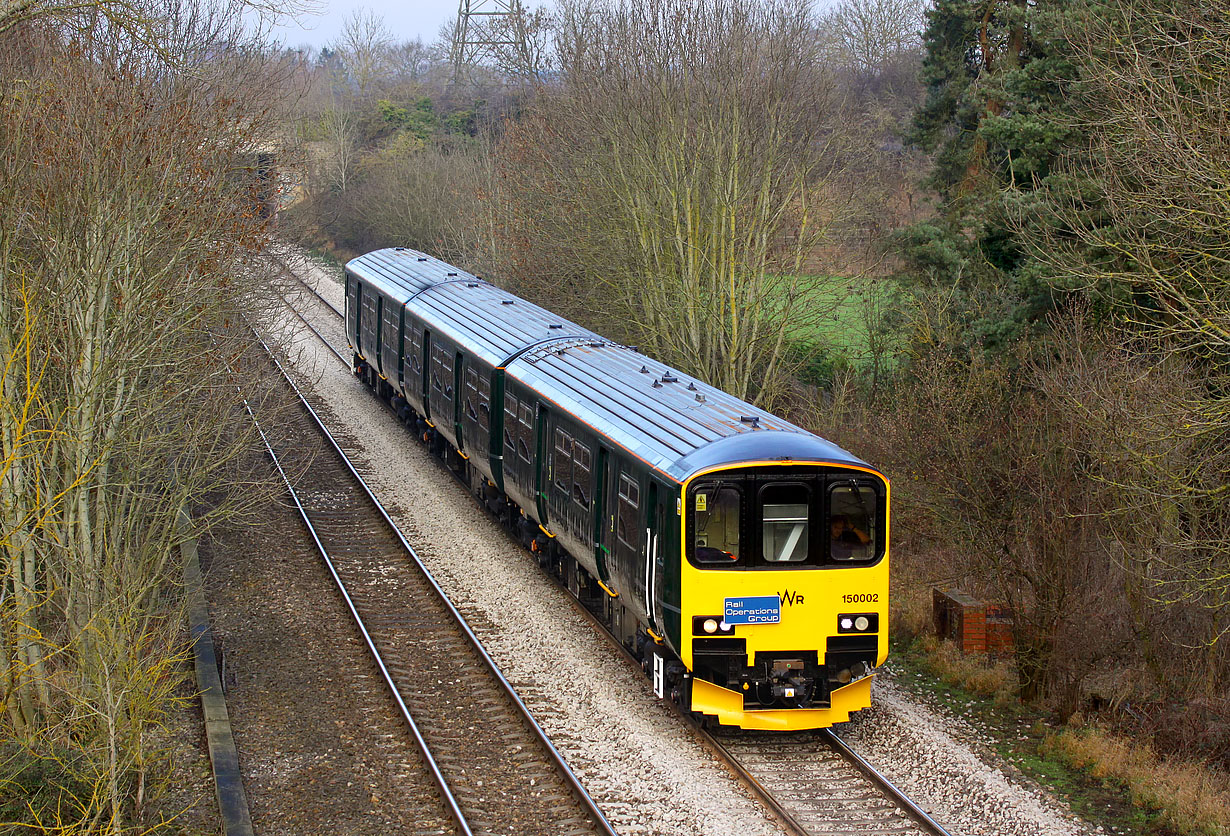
(452, 274)
(422, 258)
(507, 301)
(669, 378)
(692, 387)
(644, 370)
(471, 284)
(657, 384)
(400, 249)
(555, 325)
(754, 420)
(595, 344)
(561, 351)
(700, 398)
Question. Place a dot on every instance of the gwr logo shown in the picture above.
(790, 598)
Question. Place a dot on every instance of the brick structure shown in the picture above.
(999, 630)
(975, 627)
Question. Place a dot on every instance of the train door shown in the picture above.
(427, 374)
(627, 520)
(652, 569)
(542, 457)
(379, 327)
(602, 526)
(499, 424)
(397, 357)
(458, 398)
(353, 293)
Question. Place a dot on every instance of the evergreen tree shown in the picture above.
(999, 74)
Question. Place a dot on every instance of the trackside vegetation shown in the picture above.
(129, 247)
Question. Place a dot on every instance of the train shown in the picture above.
(742, 559)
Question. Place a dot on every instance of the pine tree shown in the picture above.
(999, 74)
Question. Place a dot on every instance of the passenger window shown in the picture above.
(525, 432)
(484, 402)
(717, 524)
(629, 502)
(784, 513)
(580, 474)
(563, 460)
(510, 422)
(852, 522)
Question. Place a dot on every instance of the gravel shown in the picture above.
(641, 764)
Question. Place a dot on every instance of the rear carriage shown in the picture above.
(743, 558)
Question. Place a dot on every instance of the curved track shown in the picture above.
(496, 769)
(813, 781)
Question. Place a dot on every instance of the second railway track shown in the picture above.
(503, 773)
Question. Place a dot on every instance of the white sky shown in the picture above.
(405, 19)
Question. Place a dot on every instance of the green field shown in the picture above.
(841, 324)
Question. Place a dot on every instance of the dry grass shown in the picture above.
(910, 609)
(976, 673)
(1190, 798)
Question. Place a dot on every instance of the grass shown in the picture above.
(1108, 780)
(838, 332)
(1184, 797)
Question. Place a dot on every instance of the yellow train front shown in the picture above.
(783, 589)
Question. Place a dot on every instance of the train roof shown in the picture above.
(676, 423)
(400, 272)
(493, 323)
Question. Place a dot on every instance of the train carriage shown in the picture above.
(744, 559)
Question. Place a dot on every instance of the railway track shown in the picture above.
(813, 781)
(819, 785)
(495, 768)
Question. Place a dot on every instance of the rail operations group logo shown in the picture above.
(754, 609)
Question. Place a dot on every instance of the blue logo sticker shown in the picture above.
(757, 609)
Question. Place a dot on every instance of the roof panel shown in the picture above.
(676, 423)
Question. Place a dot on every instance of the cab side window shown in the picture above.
(852, 523)
(717, 526)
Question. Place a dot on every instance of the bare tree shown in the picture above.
(1149, 235)
(675, 185)
(132, 224)
(366, 47)
(871, 35)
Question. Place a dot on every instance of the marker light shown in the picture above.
(710, 625)
(848, 623)
(861, 623)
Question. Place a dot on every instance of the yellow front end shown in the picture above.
(811, 602)
(814, 601)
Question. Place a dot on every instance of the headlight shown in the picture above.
(858, 622)
(710, 625)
